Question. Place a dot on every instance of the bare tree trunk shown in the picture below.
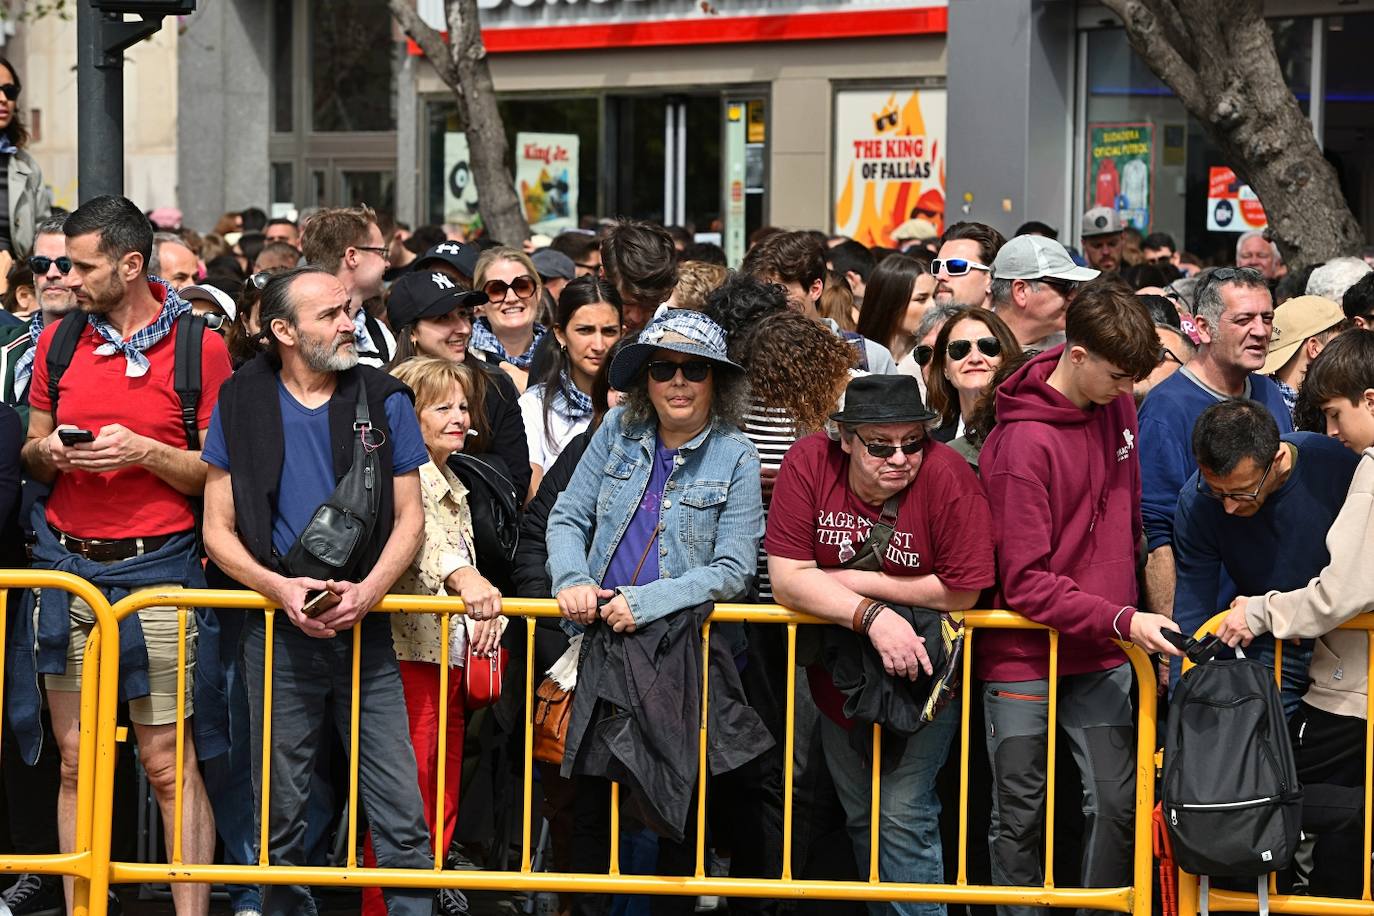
(462, 65)
(1218, 57)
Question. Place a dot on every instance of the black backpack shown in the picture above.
(185, 375)
(1231, 798)
(495, 508)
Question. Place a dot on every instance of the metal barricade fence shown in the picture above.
(1239, 901)
(1134, 898)
(86, 863)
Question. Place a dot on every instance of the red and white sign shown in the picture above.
(1231, 205)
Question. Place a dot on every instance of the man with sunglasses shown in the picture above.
(1258, 509)
(884, 516)
(963, 266)
(50, 264)
(347, 242)
(1033, 281)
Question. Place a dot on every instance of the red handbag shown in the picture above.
(482, 677)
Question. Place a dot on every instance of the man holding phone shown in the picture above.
(280, 442)
(113, 445)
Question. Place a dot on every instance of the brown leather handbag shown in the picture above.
(552, 713)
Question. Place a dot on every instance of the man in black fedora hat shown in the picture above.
(881, 514)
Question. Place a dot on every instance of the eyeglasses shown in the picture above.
(10, 90)
(959, 349)
(1167, 356)
(1066, 288)
(379, 251)
(214, 320)
(1204, 490)
(923, 354)
(523, 286)
(39, 264)
(955, 267)
(259, 280)
(695, 370)
(887, 450)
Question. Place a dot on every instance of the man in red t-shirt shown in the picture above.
(120, 512)
(884, 472)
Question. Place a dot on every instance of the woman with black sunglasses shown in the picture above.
(968, 351)
(23, 202)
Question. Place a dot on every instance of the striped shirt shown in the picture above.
(773, 432)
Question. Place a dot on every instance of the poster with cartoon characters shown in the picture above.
(460, 186)
(889, 164)
(1120, 166)
(546, 179)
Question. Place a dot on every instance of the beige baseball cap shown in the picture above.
(1295, 321)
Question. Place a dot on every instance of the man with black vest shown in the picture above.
(281, 441)
(109, 430)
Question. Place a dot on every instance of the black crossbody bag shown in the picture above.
(333, 544)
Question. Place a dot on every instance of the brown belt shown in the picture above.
(110, 551)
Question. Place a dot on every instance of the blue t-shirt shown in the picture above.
(1167, 417)
(643, 526)
(1282, 546)
(307, 468)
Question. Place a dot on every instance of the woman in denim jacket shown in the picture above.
(663, 513)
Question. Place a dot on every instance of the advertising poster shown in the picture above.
(1121, 170)
(546, 179)
(460, 188)
(1231, 205)
(889, 165)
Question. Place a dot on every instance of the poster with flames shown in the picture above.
(889, 164)
(546, 179)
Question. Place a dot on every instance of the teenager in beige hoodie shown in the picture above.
(1328, 731)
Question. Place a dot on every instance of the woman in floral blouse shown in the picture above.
(444, 565)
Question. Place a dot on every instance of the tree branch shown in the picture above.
(1145, 31)
(429, 40)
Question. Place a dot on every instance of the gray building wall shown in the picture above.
(1011, 97)
(223, 103)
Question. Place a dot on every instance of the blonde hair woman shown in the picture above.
(507, 332)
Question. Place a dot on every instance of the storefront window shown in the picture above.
(1166, 189)
(352, 66)
(1349, 115)
(558, 164)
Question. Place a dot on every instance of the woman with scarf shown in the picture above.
(558, 405)
(507, 333)
(23, 201)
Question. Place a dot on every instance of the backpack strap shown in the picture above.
(60, 353)
(374, 330)
(190, 328)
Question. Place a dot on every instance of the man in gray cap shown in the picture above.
(1102, 229)
(1033, 281)
(555, 269)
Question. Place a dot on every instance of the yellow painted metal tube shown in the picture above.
(614, 860)
(788, 751)
(354, 704)
(441, 765)
(180, 737)
(961, 876)
(1368, 754)
(875, 803)
(703, 768)
(1147, 715)
(263, 848)
(527, 790)
(1051, 748)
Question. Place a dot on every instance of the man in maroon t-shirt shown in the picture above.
(828, 497)
(114, 448)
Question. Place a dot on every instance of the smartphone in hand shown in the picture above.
(315, 603)
(71, 437)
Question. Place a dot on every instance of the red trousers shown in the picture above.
(421, 683)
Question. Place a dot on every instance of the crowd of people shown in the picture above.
(1117, 444)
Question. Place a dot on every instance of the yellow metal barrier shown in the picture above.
(1133, 899)
(1238, 901)
(85, 864)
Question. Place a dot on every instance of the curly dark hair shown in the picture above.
(729, 397)
(741, 302)
(795, 364)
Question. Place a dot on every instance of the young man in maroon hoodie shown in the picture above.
(1063, 482)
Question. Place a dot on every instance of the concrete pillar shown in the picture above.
(1011, 102)
(409, 208)
(224, 103)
